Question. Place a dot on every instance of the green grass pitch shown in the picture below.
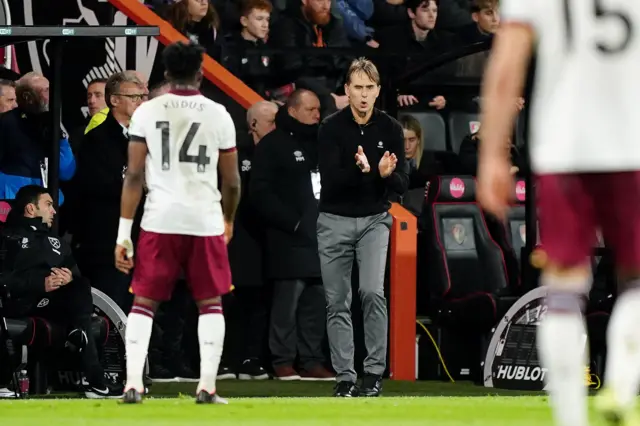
(300, 404)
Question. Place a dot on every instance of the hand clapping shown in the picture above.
(361, 160)
(387, 164)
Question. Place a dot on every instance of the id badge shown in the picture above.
(315, 183)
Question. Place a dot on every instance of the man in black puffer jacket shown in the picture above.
(43, 280)
(284, 190)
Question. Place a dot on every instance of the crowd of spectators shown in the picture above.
(283, 282)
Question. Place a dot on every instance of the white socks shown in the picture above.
(211, 330)
(139, 324)
(622, 374)
(561, 345)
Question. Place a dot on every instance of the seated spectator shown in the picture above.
(486, 19)
(98, 118)
(416, 38)
(420, 163)
(355, 14)
(25, 133)
(254, 69)
(102, 162)
(198, 20)
(7, 96)
(313, 25)
(43, 280)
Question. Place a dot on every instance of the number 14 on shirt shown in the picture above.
(202, 160)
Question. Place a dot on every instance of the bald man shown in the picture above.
(101, 115)
(261, 118)
(32, 92)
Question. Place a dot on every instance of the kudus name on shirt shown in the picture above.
(184, 104)
(520, 372)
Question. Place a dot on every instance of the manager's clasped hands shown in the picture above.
(386, 166)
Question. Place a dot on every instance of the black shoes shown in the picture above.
(371, 386)
(251, 369)
(345, 390)
(205, 397)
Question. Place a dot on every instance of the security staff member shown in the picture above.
(43, 280)
(361, 158)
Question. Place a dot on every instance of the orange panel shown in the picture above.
(213, 71)
(404, 246)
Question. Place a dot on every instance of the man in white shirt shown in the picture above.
(179, 142)
(583, 146)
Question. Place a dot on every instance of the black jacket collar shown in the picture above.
(290, 125)
(34, 224)
(346, 115)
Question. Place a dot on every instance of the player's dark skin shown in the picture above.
(132, 193)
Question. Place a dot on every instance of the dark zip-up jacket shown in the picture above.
(346, 191)
(31, 250)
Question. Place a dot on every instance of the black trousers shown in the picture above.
(246, 315)
(70, 306)
(167, 347)
(298, 323)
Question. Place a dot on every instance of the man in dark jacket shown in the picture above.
(246, 307)
(284, 189)
(313, 25)
(359, 149)
(102, 162)
(43, 280)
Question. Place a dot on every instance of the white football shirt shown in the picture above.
(185, 132)
(586, 85)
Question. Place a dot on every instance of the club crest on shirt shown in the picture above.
(459, 233)
(246, 166)
(43, 303)
(265, 61)
(55, 243)
(299, 156)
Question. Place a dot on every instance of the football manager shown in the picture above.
(361, 160)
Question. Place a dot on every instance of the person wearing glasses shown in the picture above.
(97, 186)
(97, 118)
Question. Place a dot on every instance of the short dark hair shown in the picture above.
(6, 83)
(295, 98)
(97, 81)
(413, 5)
(478, 5)
(183, 61)
(29, 194)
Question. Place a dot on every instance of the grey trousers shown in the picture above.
(298, 325)
(340, 239)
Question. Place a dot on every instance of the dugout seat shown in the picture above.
(461, 124)
(464, 276)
